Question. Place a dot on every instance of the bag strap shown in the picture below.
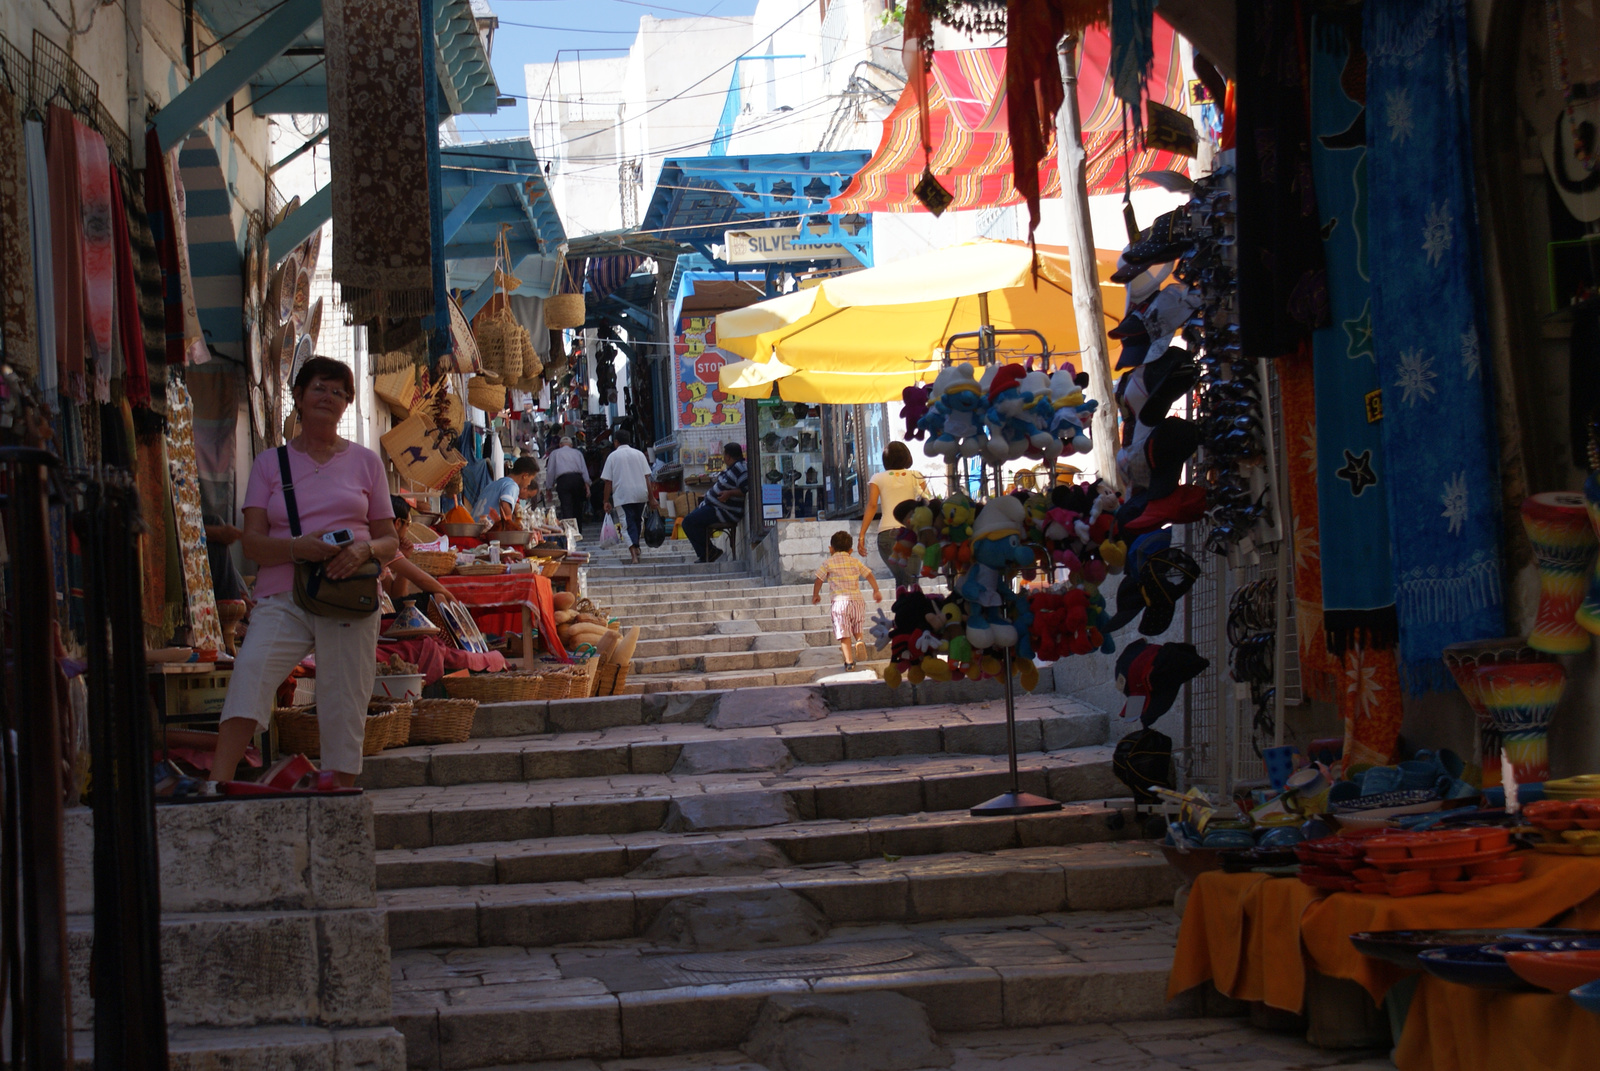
(288, 491)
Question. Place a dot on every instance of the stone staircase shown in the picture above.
(713, 625)
(642, 875)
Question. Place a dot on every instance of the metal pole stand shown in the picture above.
(1016, 801)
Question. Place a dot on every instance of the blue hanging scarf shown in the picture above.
(1439, 439)
(1352, 484)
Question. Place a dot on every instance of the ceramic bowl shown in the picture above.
(1588, 997)
(1473, 966)
(1556, 971)
(461, 531)
(1401, 947)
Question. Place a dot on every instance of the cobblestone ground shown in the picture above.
(1173, 1045)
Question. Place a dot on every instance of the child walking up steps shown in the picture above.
(844, 575)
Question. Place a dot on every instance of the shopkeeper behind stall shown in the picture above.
(897, 483)
(339, 488)
(499, 500)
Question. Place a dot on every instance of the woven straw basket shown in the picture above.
(442, 721)
(563, 311)
(434, 562)
(511, 687)
(611, 678)
(499, 347)
(486, 394)
(388, 725)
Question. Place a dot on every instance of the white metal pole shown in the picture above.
(1090, 314)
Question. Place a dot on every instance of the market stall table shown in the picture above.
(529, 592)
(1254, 936)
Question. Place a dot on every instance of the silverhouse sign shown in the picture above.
(776, 245)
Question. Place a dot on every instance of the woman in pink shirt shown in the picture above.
(338, 486)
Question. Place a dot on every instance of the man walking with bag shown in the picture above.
(568, 474)
(627, 484)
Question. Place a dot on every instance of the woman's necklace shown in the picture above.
(316, 465)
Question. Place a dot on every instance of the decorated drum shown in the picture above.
(1463, 660)
(1589, 612)
(1520, 697)
(1557, 523)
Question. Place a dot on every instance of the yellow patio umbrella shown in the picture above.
(866, 336)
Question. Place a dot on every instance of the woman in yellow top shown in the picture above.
(895, 484)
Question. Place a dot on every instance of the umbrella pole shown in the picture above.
(1090, 314)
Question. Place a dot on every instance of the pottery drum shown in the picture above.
(1557, 523)
(1463, 660)
(1520, 698)
(1589, 612)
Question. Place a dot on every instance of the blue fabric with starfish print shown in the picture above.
(1440, 448)
(1357, 573)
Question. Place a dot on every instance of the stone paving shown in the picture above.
(1173, 1045)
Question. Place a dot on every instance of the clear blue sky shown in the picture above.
(583, 24)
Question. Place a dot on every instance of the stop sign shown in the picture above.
(708, 365)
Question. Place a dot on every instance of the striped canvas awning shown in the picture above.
(972, 152)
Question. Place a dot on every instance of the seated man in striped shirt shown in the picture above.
(721, 508)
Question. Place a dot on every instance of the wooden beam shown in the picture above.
(300, 224)
(234, 70)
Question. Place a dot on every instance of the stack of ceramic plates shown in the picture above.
(1582, 787)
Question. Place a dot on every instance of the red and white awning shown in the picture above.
(972, 152)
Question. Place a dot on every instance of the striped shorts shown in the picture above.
(849, 614)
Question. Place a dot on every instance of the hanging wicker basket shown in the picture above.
(563, 311)
(486, 394)
(498, 347)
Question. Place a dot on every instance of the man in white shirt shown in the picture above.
(627, 480)
(568, 473)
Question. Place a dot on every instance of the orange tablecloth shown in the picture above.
(1456, 1028)
(516, 589)
(1246, 932)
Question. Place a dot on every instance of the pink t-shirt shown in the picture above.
(348, 492)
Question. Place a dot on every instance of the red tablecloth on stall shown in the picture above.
(510, 590)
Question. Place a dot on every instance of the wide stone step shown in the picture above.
(655, 608)
(1025, 881)
(700, 643)
(692, 625)
(1044, 723)
(720, 587)
(647, 683)
(583, 858)
(781, 658)
(327, 968)
(679, 567)
(484, 1007)
(586, 715)
(632, 803)
(373, 1048)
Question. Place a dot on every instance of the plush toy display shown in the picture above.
(953, 419)
(914, 407)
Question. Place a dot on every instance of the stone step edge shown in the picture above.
(367, 1048)
(458, 814)
(552, 755)
(924, 889)
(804, 843)
(339, 958)
(606, 711)
(691, 1019)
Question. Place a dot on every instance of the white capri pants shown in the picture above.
(280, 635)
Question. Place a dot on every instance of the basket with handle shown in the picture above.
(486, 394)
(552, 683)
(584, 679)
(422, 451)
(442, 721)
(611, 678)
(434, 562)
(566, 309)
(388, 725)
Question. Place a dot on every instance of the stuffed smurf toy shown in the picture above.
(953, 422)
(996, 547)
(1070, 413)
